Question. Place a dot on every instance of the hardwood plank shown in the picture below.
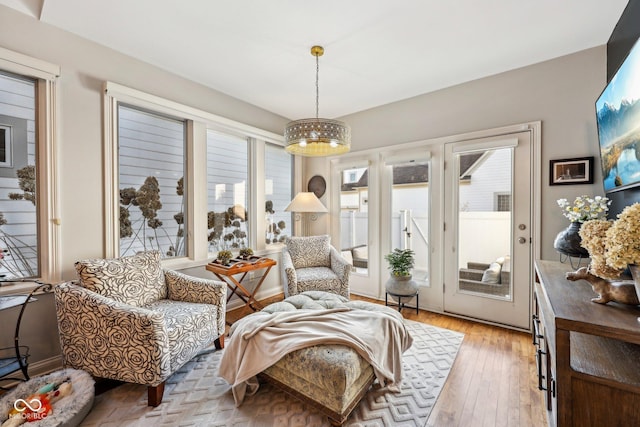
(493, 381)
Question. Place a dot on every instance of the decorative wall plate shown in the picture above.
(317, 185)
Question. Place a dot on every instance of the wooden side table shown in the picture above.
(240, 267)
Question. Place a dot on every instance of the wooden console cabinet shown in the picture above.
(588, 354)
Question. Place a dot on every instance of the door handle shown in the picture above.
(522, 240)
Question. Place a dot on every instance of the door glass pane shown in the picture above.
(485, 222)
(278, 186)
(151, 169)
(354, 217)
(227, 176)
(410, 213)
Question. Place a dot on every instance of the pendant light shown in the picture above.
(317, 137)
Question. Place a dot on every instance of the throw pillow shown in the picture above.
(492, 274)
(136, 280)
(313, 251)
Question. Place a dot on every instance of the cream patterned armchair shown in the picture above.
(129, 320)
(312, 264)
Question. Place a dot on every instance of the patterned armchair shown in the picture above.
(126, 319)
(312, 264)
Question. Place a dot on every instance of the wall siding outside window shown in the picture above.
(18, 225)
(490, 175)
(278, 191)
(151, 151)
(227, 187)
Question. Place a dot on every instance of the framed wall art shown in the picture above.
(571, 171)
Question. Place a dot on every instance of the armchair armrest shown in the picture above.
(289, 276)
(182, 287)
(340, 265)
(87, 321)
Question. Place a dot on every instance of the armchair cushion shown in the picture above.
(184, 288)
(136, 280)
(318, 279)
(314, 251)
(188, 325)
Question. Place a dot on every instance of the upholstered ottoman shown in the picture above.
(333, 378)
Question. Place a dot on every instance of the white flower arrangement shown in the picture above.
(585, 208)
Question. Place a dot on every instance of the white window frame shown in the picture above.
(49, 246)
(198, 121)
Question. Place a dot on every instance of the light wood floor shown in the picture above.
(493, 381)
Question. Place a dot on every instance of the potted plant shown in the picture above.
(400, 282)
(224, 257)
(400, 262)
(245, 253)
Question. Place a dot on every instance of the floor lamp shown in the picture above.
(306, 203)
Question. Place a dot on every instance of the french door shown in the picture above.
(354, 229)
(487, 253)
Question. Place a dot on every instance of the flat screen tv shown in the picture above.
(618, 119)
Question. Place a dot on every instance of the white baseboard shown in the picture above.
(45, 366)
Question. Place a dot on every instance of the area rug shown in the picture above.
(196, 396)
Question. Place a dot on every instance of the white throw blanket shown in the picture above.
(262, 339)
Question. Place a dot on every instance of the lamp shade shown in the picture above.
(317, 137)
(306, 202)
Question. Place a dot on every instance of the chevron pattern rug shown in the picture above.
(196, 396)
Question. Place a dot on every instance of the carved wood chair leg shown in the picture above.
(155, 393)
(219, 342)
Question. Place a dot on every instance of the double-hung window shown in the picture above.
(151, 154)
(227, 192)
(278, 185)
(29, 233)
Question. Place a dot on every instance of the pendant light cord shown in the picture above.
(317, 85)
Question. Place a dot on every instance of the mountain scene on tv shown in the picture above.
(618, 117)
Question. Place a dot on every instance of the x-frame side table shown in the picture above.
(228, 275)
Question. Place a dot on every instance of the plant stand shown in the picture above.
(400, 304)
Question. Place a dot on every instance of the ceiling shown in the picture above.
(376, 51)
